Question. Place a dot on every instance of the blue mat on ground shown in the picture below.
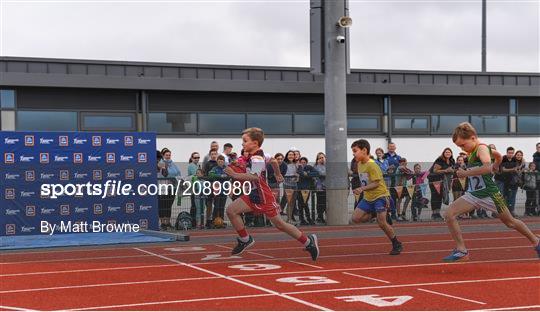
(79, 239)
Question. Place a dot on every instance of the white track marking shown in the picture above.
(450, 296)
(367, 277)
(232, 279)
(309, 265)
(510, 308)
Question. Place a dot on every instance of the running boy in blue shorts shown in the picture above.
(482, 192)
(376, 195)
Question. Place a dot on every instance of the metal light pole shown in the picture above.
(484, 16)
(329, 55)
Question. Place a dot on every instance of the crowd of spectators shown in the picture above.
(302, 194)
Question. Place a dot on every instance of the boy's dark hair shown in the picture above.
(402, 160)
(278, 155)
(228, 145)
(221, 157)
(464, 130)
(361, 144)
(417, 165)
(510, 148)
(303, 158)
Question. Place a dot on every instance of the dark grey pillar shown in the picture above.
(335, 114)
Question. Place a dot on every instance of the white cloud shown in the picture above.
(431, 35)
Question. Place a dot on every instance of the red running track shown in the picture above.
(352, 274)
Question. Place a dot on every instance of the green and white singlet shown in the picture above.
(482, 186)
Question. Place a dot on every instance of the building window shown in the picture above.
(172, 122)
(107, 122)
(513, 107)
(222, 123)
(363, 123)
(46, 121)
(446, 124)
(528, 124)
(490, 124)
(309, 123)
(7, 98)
(271, 123)
(411, 123)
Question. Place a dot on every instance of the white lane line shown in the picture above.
(111, 307)
(250, 252)
(91, 270)
(309, 265)
(107, 284)
(450, 296)
(415, 285)
(261, 249)
(509, 308)
(361, 255)
(15, 308)
(367, 277)
(232, 279)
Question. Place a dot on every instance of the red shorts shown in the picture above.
(270, 209)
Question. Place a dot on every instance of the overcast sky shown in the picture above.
(399, 34)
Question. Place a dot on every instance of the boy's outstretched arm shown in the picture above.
(487, 167)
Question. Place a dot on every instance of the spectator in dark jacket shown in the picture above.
(509, 169)
(217, 174)
(441, 169)
(536, 156)
(306, 174)
(272, 181)
(210, 164)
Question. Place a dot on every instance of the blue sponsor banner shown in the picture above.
(32, 159)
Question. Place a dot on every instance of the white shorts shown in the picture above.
(486, 203)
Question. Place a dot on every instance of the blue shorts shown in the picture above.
(379, 205)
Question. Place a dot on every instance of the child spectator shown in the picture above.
(320, 187)
(217, 174)
(305, 185)
(403, 175)
(530, 177)
(419, 201)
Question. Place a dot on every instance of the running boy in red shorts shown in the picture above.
(260, 199)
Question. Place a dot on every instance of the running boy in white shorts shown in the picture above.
(482, 192)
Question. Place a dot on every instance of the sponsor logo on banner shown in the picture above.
(98, 209)
(113, 175)
(10, 141)
(81, 209)
(79, 141)
(111, 158)
(27, 229)
(9, 193)
(145, 207)
(128, 141)
(10, 229)
(142, 158)
(79, 176)
(78, 158)
(94, 158)
(29, 140)
(64, 175)
(63, 140)
(47, 211)
(96, 140)
(12, 212)
(60, 158)
(26, 158)
(130, 207)
(43, 158)
(126, 158)
(144, 141)
(112, 141)
(44, 141)
(27, 194)
(12, 176)
(113, 209)
(30, 211)
(30, 176)
(143, 223)
(143, 174)
(46, 176)
(97, 175)
(9, 158)
(64, 210)
(130, 174)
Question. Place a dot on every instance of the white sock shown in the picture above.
(244, 239)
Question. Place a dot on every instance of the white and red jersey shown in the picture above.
(261, 193)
